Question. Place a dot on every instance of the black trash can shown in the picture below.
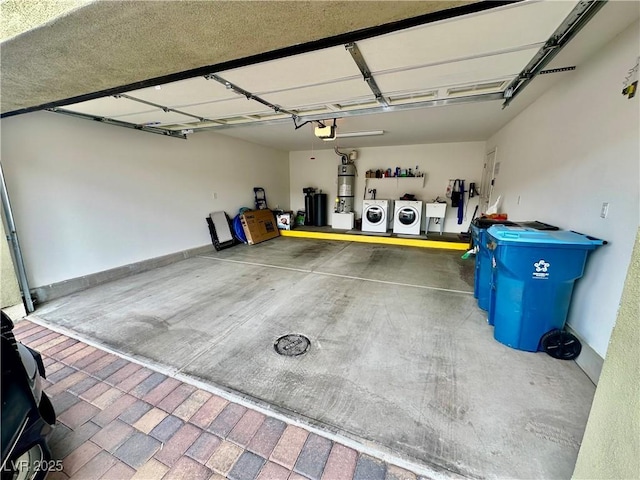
(320, 209)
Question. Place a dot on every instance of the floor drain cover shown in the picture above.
(292, 345)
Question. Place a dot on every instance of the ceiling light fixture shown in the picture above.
(370, 133)
(329, 133)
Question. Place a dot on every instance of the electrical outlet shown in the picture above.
(215, 195)
(604, 211)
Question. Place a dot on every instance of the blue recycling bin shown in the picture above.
(483, 272)
(482, 276)
(534, 273)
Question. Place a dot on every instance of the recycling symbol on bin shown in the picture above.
(541, 266)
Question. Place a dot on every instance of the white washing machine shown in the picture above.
(375, 215)
(407, 217)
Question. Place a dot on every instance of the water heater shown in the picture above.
(346, 187)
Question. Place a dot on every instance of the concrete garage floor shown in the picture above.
(402, 359)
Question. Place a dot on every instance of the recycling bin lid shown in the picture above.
(524, 237)
(481, 222)
(538, 225)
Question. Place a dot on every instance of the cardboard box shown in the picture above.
(259, 225)
(285, 220)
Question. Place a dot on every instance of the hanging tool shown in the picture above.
(457, 198)
(472, 193)
(456, 193)
(468, 234)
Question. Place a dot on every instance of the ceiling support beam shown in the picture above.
(577, 18)
(353, 49)
(249, 95)
(164, 108)
(120, 123)
(322, 117)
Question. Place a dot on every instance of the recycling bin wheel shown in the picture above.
(561, 345)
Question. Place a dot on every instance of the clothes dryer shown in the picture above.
(407, 217)
(375, 215)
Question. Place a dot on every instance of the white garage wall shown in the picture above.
(573, 149)
(89, 197)
(439, 162)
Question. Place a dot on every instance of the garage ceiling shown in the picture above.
(434, 64)
(54, 52)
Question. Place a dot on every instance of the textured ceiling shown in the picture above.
(19, 16)
(109, 44)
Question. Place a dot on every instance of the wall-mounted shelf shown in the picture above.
(394, 187)
(414, 182)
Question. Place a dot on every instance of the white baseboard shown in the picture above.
(67, 287)
(588, 360)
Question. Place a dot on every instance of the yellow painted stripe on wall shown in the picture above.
(407, 242)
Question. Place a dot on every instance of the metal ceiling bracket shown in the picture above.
(575, 21)
(322, 117)
(248, 95)
(164, 108)
(120, 123)
(300, 125)
(557, 70)
(353, 49)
